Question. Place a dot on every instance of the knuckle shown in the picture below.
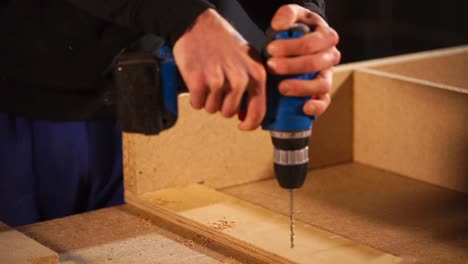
(258, 72)
(337, 56)
(311, 65)
(333, 36)
(326, 86)
(216, 83)
(308, 46)
(195, 83)
(287, 9)
(238, 83)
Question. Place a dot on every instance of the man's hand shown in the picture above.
(218, 66)
(315, 52)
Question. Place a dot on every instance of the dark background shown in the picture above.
(379, 28)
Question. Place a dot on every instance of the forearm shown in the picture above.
(262, 11)
(169, 19)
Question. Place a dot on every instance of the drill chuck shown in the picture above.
(291, 157)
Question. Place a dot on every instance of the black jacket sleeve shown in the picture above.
(262, 11)
(166, 18)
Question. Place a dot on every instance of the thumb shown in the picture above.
(285, 17)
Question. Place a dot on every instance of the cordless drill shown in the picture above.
(148, 84)
(289, 126)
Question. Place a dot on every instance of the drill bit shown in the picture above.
(291, 216)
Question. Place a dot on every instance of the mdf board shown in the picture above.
(412, 128)
(402, 124)
(403, 114)
(417, 221)
(200, 148)
(17, 248)
(254, 230)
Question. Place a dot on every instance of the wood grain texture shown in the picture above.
(419, 222)
(412, 129)
(187, 153)
(255, 230)
(17, 248)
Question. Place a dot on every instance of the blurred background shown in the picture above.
(378, 28)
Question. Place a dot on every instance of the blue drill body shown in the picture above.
(284, 113)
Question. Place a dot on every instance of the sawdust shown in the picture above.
(222, 225)
(146, 222)
(203, 240)
(189, 243)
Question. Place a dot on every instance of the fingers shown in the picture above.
(256, 105)
(318, 86)
(221, 89)
(317, 106)
(288, 15)
(304, 64)
(238, 82)
(196, 85)
(321, 38)
(216, 83)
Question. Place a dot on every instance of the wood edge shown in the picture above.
(129, 164)
(402, 58)
(249, 251)
(413, 80)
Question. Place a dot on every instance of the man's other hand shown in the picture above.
(218, 66)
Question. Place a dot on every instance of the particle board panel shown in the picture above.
(15, 247)
(197, 142)
(411, 128)
(420, 222)
(449, 69)
(332, 133)
(124, 234)
(255, 230)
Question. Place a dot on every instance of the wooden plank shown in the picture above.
(417, 221)
(15, 247)
(254, 230)
(411, 128)
(124, 234)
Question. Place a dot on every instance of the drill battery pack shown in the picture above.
(139, 93)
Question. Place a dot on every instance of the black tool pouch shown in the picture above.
(139, 99)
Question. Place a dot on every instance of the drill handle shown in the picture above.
(284, 113)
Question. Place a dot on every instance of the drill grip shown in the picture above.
(285, 113)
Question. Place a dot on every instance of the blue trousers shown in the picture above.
(54, 169)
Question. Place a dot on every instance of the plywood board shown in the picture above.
(15, 247)
(411, 128)
(262, 232)
(201, 148)
(419, 222)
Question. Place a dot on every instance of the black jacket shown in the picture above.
(55, 53)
